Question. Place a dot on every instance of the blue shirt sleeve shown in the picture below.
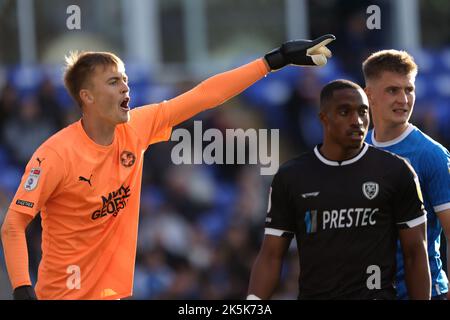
(436, 165)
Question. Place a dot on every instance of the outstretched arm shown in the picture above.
(415, 256)
(219, 88)
(214, 91)
(16, 253)
(267, 267)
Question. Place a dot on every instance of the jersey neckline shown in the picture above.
(389, 143)
(92, 143)
(340, 163)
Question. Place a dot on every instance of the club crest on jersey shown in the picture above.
(33, 178)
(370, 189)
(127, 159)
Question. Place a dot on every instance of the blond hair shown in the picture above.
(389, 60)
(81, 65)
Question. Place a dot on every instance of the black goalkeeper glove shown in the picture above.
(300, 53)
(24, 293)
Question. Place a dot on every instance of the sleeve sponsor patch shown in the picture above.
(25, 203)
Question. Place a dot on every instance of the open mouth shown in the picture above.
(124, 104)
(400, 111)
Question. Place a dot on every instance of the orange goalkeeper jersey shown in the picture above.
(89, 200)
(88, 194)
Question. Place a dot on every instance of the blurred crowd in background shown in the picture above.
(201, 225)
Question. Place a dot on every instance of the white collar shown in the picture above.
(341, 163)
(389, 143)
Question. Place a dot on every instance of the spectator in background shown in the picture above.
(24, 132)
(9, 105)
(357, 39)
(301, 111)
(48, 100)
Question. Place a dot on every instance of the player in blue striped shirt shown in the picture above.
(390, 86)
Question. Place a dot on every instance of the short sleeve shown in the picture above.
(43, 175)
(151, 123)
(279, 220)
(408, 205)
(436, 168)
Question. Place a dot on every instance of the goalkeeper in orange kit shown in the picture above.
(86, 179)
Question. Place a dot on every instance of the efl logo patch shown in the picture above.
(33, 179)
(25, 203)
(370, 189)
